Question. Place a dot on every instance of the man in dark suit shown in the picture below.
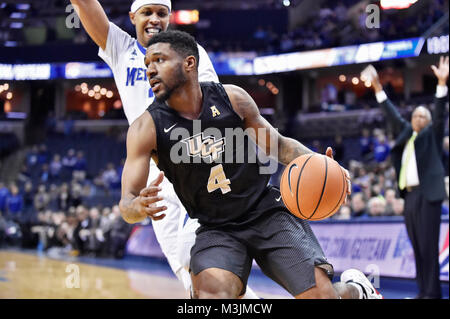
(416, 157)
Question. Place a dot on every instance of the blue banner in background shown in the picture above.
(77, 70)
(375, 247)
(248, 63)
(239, 63)
(402, 49)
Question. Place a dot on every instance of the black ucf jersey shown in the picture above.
(212, 164)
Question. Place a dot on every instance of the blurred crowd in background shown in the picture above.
(341, 23)
(54, 203)
(67, 191)
(331, 24)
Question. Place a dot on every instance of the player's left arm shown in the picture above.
(274, 144)
(284, 149)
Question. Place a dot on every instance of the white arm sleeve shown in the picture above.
(441, 91)
(206, 72)
(117, 43)
(381, 97)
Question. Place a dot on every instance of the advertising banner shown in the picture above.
(377, 248)
(381, 247)
(248, 63)
(143, 242)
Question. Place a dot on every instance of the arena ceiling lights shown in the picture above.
(396, 4)
(184, 17)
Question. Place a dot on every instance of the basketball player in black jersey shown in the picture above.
(187, 131)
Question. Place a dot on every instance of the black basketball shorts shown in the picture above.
(284, 247)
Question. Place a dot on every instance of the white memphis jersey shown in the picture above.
(125, 56)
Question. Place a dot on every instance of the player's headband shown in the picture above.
(140, 3)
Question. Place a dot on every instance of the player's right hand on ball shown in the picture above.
(329, 153)
(148, 198)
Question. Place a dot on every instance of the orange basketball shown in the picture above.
(313, 187)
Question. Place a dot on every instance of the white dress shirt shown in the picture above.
(412, 175)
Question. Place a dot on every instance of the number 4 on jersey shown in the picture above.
(217, 179)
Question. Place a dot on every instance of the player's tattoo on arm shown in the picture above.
(243, 103)
(286, 149)
(128, 212)
(289, 149)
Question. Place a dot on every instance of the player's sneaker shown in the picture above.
(355, 276)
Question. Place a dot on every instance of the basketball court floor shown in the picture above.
(32, 275)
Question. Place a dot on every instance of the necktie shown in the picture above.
(409, 153)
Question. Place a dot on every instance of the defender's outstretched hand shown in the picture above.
(441, 72)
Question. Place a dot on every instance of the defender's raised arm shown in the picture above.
(94, 20)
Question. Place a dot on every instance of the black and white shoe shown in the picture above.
(354, 276)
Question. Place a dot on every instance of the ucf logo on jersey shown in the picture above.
(205, 147)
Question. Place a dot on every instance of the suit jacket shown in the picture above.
(428, 148)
